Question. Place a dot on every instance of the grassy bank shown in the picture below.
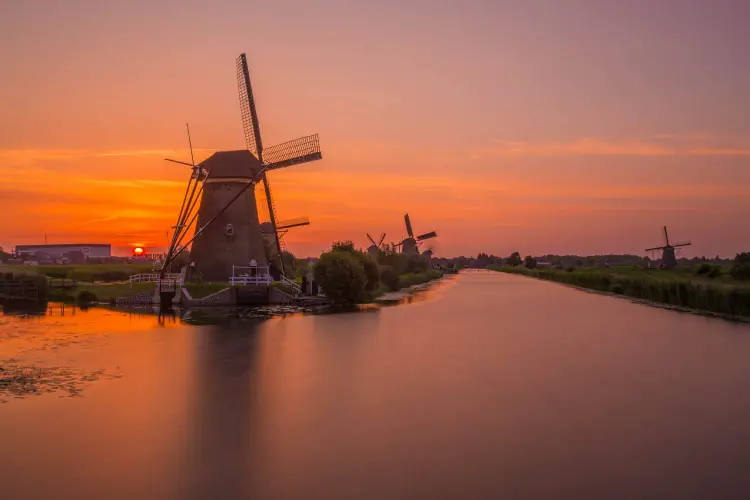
(681, 289)
(200, 290)
(102, 292)
(411, 279)
(82, 272)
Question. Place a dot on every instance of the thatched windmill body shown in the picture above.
(410, 245)
(668, 259)
(375, 248)
(221, 196)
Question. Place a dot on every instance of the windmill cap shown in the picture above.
(234, 164)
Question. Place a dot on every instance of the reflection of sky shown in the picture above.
(538, 126)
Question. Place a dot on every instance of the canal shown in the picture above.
(487, 386)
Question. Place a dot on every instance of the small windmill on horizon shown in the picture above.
(668, 258)
(410, 245)
(375, 248)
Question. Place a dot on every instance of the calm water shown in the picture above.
(492, 386)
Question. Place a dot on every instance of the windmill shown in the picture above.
(375, 248)
(410, 245)
(668, 259)
(220, 200)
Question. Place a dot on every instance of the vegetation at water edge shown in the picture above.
(696, 290)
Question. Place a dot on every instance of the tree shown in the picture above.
(4, 255)
(389, 277)
(342, 277)
(372, 272)
(514, 259)
(343, 246)
(529, 262)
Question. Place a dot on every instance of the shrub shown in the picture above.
(714, 272)
(86, 298)
(529, 262)
(617, 288)
(342, 277)
(389, 277)
(740, 271)
(704, 268)
(372, 273)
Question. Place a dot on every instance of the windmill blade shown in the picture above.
(371, 240)
(409, 230)
(294, 152)
(381, 240)
(683, 244)
(248, 110)
(290, 223)
(654, 249)
(426, 236)
(666, 235)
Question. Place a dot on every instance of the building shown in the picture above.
(89, 250)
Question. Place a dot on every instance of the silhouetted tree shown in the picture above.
(514, 259)
(529, 262)
(342, 277)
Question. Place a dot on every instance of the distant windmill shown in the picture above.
(668, 259)
(375, 248)
(411, 244)
(220, 198)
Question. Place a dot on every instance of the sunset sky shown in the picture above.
(559, 126)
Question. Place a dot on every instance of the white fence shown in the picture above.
(154, 278)
(245, 279)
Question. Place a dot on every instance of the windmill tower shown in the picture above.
(375, 248)
(410, 245)
(228, 231)
(668, 258)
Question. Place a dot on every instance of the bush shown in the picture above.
(704, 269)
(389, 277)
(342, 277)
(714, 272)
(86, 298)
(372, 272)
(740, 271)
(529, 262)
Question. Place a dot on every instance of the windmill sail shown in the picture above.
(426, 236)
(247, 107)
(293, 152)
(409, 230)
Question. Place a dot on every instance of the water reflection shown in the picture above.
(223, 396)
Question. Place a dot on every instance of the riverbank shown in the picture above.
(658, 286)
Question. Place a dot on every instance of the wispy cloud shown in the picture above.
(658, 145)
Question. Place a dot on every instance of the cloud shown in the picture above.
(658, 145)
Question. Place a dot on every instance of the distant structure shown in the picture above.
(375, 248)
(410, 245)
(668, 258)
(88, 250)
(228, 231)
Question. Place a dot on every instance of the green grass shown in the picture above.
(103, 292)
(82, 272)
(410, 279)
(200, 290)
(678, 287)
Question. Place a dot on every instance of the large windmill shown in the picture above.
(668, 259)
(410, 245)
(375, 248)
(228, 231)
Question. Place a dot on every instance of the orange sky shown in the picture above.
(539, 130)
